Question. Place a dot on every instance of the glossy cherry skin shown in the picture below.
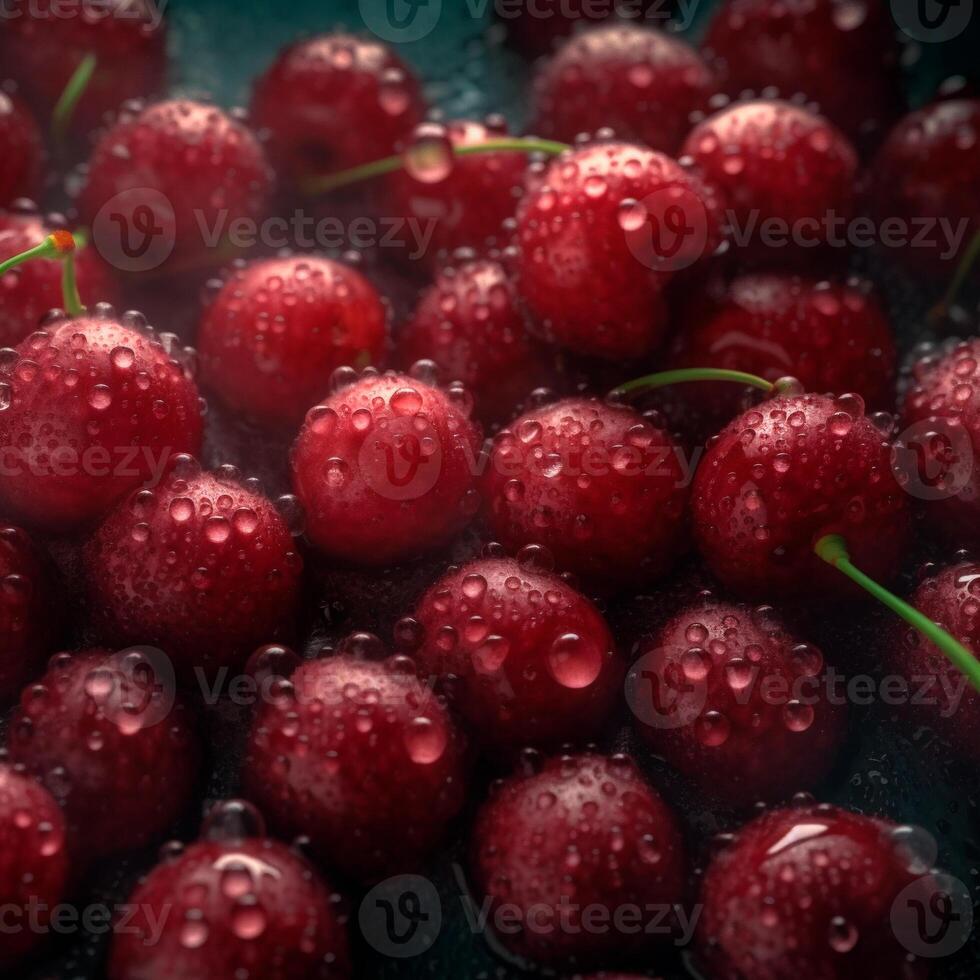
(271, 338)
(584, 831)
(940, 420)
(200, 566)
(34, 860)
(224, 909)
(107, 735)
(776, 162)
(21, 150)
(29, 291)
(599, 485)
(44, 46)
(199, 171)
(737, 704)
(529, 661)
(642, 84)
(809, 891)
(333, 102)
(923, 173)
(384, 469)
(96, 407)
(824, 49)
(363, 759)
(781, 476)
(596, 245)
(469, 322)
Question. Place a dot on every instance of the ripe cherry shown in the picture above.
(537, 29)
(782, 476)
(924, 173)
(812, 891)
(108, 737)
(232, 906)
(384, 469)
(199, 170)
(642, 84)
(941, 426)
(333, 102)
(33, 860)
(786, 174)
(530, 661)
(599, 237)
(271, 338)
(44, 44)
(470, 324)
(824, 49)
(33, 289)
(21, 150)
(91, 408)
(599, 485)
(738, 705)
(360, 757)
(584, 832)
(200, 566)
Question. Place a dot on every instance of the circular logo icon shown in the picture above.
(135, 231)
(662, 694)
(933, 916)
(933, 459)
(401, 21)
(401, 458)
(401, 917)
(932, 21)
(136, 690)
(667, 230)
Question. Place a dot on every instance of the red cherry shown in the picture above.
(333, 102)
(27, 602)
(278, 329)
(924, 173)
(777, 164)
(463, 200)
(107, 736)
(830, 336)
(30, 290)
(92, 408)
(536, 29)
(597, 484)
(361, 758)
(739, 706)
(641, 83)
(227, 909)
(825, 49)
(468, 322)
(384, 469)
(599, 237)
(21, 151)
(199, 172)
(532, 660)
(944, 700)
(43, 45)
(585, 832)
(941, 420)
(200, 566)
(33, 860)
(783, 475)
(809, 892)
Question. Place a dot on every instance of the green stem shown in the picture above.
(69, 99)
(69, 287)
(55, 246)
(378, 168)
(962, 273)
(663, 378)
(832, 548)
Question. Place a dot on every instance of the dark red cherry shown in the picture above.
(21, 151)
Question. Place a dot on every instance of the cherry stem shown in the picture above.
(388, 165)
(69, 287)
(59, 245)
(661, 379)
(70, 97)
(959, 277)
(832, 548)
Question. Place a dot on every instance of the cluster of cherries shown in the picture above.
(549, 282)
